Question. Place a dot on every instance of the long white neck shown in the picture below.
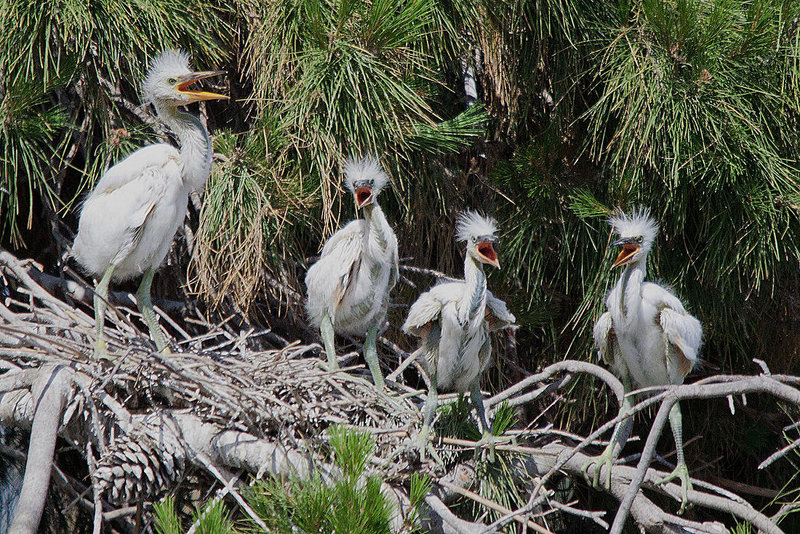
(196, 152)
(630, 288)
(378, 229)
(474, 298)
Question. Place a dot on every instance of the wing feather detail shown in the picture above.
(428, 307)
(604, 338)
(682, 335)
(330, 278)
(497, 314)
(682, 332)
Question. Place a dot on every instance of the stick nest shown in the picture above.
(226, 378)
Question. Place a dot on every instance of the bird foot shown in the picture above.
(606, 459)
(100, 351)
(681, 472)
(326, 365)
(488, 441)
(422, 444)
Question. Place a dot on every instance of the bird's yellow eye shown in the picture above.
(172, 81)
(639, 239)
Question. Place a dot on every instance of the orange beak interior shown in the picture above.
(626, 254)
(363, 194)
(184, 87)
(486, 250)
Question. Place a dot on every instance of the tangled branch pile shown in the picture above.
(220, 411)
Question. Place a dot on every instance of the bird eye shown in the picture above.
(473, 238)
(172, 81)
(639, 240)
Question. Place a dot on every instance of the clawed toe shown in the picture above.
(606, 459)
(490, 440)
(100, 351)
(422, 444)
(680, 472)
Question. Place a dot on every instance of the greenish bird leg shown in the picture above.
(476, 397)
(149, 314)
(422, 441)
(326, 331)
(487, 437)
(618, 437)
(681, 471)
(100, 305)
(371, 355)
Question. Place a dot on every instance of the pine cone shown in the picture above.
(134, 469)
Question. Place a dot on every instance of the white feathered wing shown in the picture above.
(434, 318)
(132, 215)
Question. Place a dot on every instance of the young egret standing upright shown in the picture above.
(646, 335)
(453, 320)
(348, 287)
(127, 223)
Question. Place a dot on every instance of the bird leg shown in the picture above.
(371, 355)
(422, 440)
(618, 439)
(100, 305)
(488, 437)
(681, 471)
(326, 331)
(146, 307)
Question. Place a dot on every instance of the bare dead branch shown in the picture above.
(224, 407)
(50, 393)
(14, 265)
(644, 511)
(779, 454)
(586, 514)
(491, 505)
(446, 522)
(84, 293)
(726, 386)
(566, 366)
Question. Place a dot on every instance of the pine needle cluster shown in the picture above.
(351, 502)
(69, 74)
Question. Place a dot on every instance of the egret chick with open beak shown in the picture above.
(128, 221)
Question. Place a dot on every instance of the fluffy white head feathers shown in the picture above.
(367, 169)
(473, 224)
(638, 224)
(168, 64)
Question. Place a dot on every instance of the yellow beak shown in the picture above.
(196, 96)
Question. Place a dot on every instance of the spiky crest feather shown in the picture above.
(366, 168)
(638, 223)
(471, 223)
(167, 63)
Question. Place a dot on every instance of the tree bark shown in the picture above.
(50, 393)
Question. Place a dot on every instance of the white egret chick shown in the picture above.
(128, 222)
(348, 287)
(453, 320)
(646, 336)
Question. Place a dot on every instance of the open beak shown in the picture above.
(487, 253)
(363, 196)
(196, 96)
(629, 249)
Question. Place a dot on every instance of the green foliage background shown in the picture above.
(689, 107)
